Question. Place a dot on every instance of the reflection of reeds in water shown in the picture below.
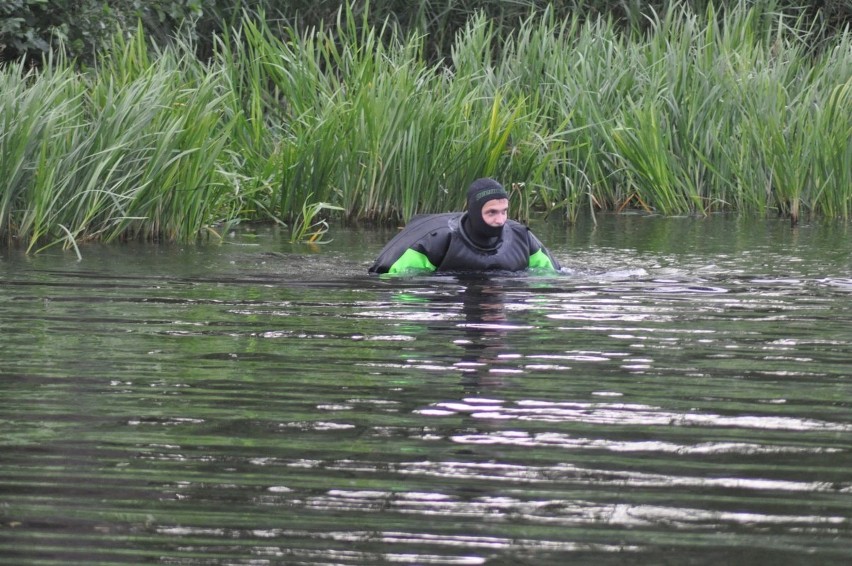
(733, 111)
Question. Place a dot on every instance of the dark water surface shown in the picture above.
(680, 395)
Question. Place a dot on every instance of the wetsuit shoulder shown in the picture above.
(427, 235)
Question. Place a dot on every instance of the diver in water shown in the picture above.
(481, 239)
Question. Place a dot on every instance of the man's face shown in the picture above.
(495, 212)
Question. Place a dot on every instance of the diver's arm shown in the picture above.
(540, 258)
(426, 255)
(411, 260)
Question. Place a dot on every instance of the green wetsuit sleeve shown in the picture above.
(540, 260)
(411, 260)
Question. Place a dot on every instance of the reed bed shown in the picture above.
(701, 112)
(132, 151)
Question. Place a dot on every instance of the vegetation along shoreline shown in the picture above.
(739, 108)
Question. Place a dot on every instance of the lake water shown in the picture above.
(681, 394)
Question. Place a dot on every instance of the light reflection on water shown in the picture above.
(616, 413)
(268, 404)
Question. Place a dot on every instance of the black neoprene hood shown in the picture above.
(480, 192)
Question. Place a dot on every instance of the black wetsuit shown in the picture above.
(438, 242)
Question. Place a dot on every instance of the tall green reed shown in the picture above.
(671, 119)
(37, 112)
(365, 123)
(131, 150)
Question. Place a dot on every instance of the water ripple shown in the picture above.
(620, 414)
